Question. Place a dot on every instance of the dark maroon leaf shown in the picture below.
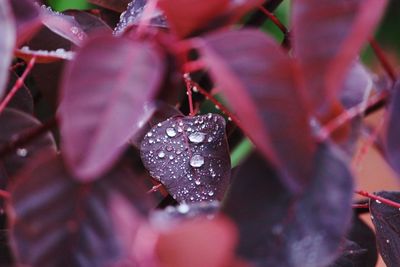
(190, 156)
(122, 75)
(260, 82)
(133, 14)
(22, 100)
(57, 221)
(65, 26)
(364, 236)
(278, 228)
(115, 5)
(386, 220)
(14, 123)
(7, 42)
(27, 17)
(352, 256)
(88, 22)
(160, 111)
(392, 144)
(327, 37)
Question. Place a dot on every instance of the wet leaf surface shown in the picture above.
(278, 228)
(57, 221)
(386, 220)
(190, 156)
(392, 142)
(352, 256)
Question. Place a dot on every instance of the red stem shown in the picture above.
(383, 60)
(380, 199)
(18, 84)
(360, 206)
(349, 114)
(216, 103)
(189, 93)
(274, 19)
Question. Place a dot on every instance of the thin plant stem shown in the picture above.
(379, 199)
(18, 84)
(383, 60)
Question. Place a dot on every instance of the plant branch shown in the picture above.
(383, 60)
(18, 84)
(379, 199)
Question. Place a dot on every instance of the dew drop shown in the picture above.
(170, 132)
(171, 157)
(159, 124)
(169, 148)
(387, 241)
(151, 141)
(197, 161)
(22, 152)
(197, 182)
(183, 208)
(197, 137)
(161, 154)
(378, 201)
(211, 193)
(149, 134)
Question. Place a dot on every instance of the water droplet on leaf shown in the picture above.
(197, 161)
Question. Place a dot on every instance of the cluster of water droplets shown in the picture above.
(133, 14)
(58, 53)
(182, 153)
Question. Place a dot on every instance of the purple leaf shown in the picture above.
(260, 82)
(160, 112)
(63, 25)
(327, 37)
(386, 220)
(57, 221)
(278, 228)
(88, 22)
(23, 99)
(393, 130)
(12, 124)
(115, 5)
(7, 42)
(133, 14)
(103, 94)
(190, 156)
(27, 17)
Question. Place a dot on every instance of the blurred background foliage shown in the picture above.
(387, 34)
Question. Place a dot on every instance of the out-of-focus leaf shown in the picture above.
(57, 221)
(260, 82)
(386, 220)
(103, 94)
(186, 16)
(22, 100)
(12, 124)
(327, 37)
(63, 25)
(27, 18)
(392, 142)
(7, 42)
(133, 14)
(278, 228)
(190, 156)
(88, 22)
(115, 5)
(198, 243)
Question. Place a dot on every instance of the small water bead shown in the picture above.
(197, 161)
(378, 201)
(171, 157)
(151, 141)
(211, 193)
(183, 208)
(170, 132)
(149, 134)
(168, 148)
(197, 182)
(22, 152)
(161, 154)
(197, 137)
(159, 124)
